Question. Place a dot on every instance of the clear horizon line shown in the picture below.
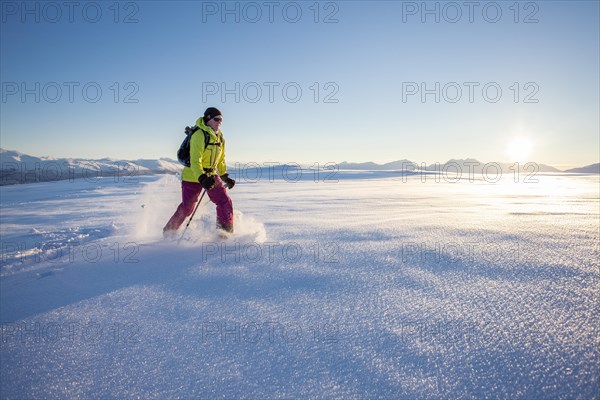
(322, 163)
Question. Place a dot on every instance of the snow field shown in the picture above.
(373, 288)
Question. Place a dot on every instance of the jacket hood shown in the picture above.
(200, 123)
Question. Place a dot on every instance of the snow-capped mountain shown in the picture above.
(16, 167)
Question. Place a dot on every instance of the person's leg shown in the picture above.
(190, 191)
(218, 195)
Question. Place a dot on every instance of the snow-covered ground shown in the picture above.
(374, 286)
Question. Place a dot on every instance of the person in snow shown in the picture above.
(207, 171)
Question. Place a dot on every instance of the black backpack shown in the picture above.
(183, 154)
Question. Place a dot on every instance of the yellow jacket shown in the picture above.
(205, 160)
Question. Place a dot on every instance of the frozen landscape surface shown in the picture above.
(372, 286)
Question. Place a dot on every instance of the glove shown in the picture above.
(229, 183)
(206, 181)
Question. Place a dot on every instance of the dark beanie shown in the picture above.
(210, 113)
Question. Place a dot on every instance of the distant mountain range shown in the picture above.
(588, 169)
(16, 167)
(466, 165)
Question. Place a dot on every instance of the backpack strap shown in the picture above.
(207, 140)
(193, 129)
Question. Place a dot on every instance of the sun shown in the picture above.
(519, 149)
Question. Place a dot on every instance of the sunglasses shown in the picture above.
(218, 119)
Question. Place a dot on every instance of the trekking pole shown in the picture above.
(192, 216)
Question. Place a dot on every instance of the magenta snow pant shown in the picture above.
(190, 191)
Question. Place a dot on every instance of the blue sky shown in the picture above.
(355, 63)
